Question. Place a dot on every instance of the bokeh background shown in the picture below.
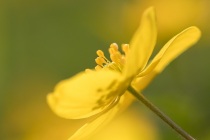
(45, 41)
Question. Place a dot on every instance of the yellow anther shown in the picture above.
(118, 55)
(112, 51)
(117, 58)
(100, 53)
(125, 48)
(123, 59)
(119, 61)
(100, 61)
(98, 67)
(114, 58)
(114, 46)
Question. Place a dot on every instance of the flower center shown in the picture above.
(117, 58)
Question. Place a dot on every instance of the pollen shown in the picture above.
(117, 58)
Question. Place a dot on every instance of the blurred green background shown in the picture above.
(45, 41)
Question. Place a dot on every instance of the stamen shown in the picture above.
(100, 53)
(117, 58)
(125, 48)
(100, 61)
(111, 51)
(123, 60)
(98, 67)
(114, 58)
(114, 46)
(112, 66)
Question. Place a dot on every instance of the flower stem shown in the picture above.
(159, 113)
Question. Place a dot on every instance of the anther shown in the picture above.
(114, 58)
(98, 67)
(112, 51)
(118, 59)
(114, 46)
(100, 61)
(125, 48)
(100, 53)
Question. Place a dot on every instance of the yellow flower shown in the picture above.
(101, 93)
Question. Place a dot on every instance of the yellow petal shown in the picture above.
(177, 45)
(151, 66)
(141, 83)
(85, 94)
(99, 121)
(142, 44)
(96, 123)
(126, 100)
(172, 49)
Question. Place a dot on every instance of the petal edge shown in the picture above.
(142, 44)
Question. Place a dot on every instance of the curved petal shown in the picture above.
(172, 49)
(85, 94)
(142, 44)
(127, 101)
(96, 123)
(141, 83)
(151, 66)
(103, 118)
(177, 45)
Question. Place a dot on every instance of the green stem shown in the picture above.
(159, 113)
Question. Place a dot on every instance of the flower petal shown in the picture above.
(177, 45)
(96, 123)
(142, 44)
(172, 49)
(85, 94)
(99, 121)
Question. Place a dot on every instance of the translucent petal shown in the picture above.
(142, 44)
(172, 49)
(151, 66)
(103, 118)
(141, 83)
(177, 45)
(126, 100)
(96, 123)
(85, 94)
